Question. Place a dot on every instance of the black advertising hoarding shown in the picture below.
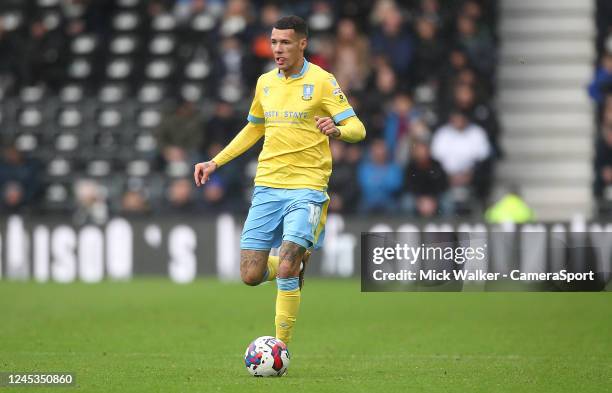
(185, 247)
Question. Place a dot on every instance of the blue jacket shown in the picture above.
(602, 78)
(379, 184)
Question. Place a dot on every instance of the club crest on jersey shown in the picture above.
(307, 92)
(266, 90)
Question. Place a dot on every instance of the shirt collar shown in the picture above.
(299, 74)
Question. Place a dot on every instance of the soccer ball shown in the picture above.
(267, 356)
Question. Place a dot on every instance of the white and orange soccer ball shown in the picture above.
(267, 356)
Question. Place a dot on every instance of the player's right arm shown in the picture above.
(242, 142)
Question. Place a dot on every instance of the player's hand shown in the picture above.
(202, 172)
(327, 126)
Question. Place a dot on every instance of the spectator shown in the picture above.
(510, 207)
(429, 52)
(323, 53)
(12, 197)
(212, 196)
(19, 180)
(602, 82)
(184, 9)
(261, 48)
(431, 10)
(233, 69)
(321, 18)
(380, 9)
(236, 20)
(381, 89)
(603, 16)
(222, 126)
(398, 127)
(179, 198)
(480, 112)
(478, 44)
(343, 190)
(225, 189)
(606, 117)
(42, 56)
(91, 202)
(7, 65)
(393, 42)
(603, 163)
(358, 11)
(380, 180)
(134, 202)
(460, 146)
(483, 89)
(426, 184)
(180, 133)
(472, 10)
(457, 62)
(351, 66)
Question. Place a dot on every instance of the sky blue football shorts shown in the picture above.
(278, 214)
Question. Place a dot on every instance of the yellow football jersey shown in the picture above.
(295, 153)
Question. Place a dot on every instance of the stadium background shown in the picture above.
(105, 106)
(115, 102)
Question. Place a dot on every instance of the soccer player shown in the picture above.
(297, 107)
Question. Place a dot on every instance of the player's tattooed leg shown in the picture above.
(253, 264)
(290, 256)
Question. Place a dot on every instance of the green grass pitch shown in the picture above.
(154, 336)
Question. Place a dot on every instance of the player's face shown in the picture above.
(288, 48)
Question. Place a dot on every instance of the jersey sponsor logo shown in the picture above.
(307, 91)
(280, 115)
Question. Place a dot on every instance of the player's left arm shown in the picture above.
(349, 130)
(343, 123)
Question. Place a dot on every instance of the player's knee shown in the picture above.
(251, 278)
(253, 266)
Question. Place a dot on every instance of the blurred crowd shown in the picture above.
(420, 75)
(600, 90)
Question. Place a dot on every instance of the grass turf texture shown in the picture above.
(154, 336)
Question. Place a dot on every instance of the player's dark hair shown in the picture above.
(292, 22)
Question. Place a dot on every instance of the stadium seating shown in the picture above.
(122, 64)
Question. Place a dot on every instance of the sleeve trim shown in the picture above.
(255, 119)
(344, 115)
